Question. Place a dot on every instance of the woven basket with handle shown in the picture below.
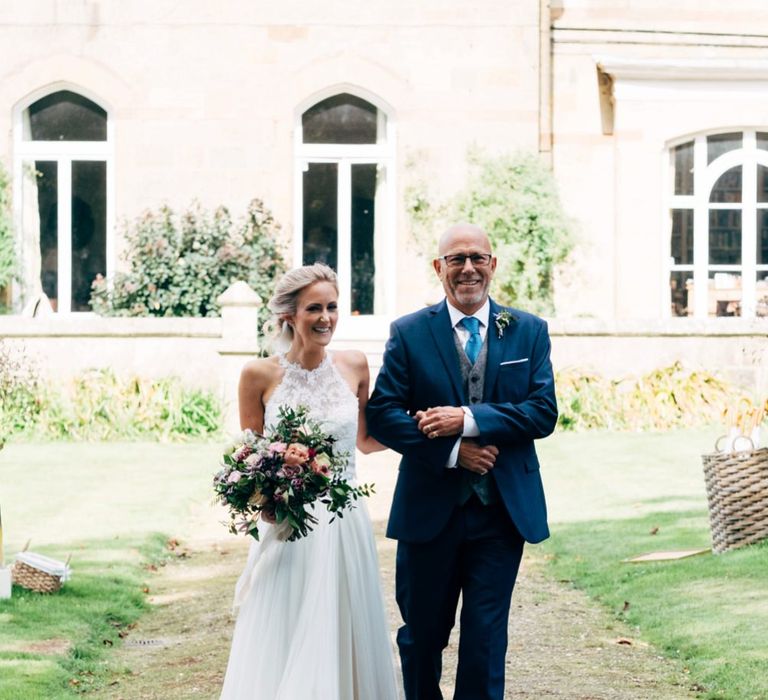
(737, 492)
(29, 576)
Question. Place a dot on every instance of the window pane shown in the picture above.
(724, 294)
(682, 236)
(724, 237)
(364, 186)
(681, 293)
(684, 168)
(728, 187)
(762, 236)
(762, 141)
(41, 205)
(89, 229)
(65, 116)
(762, 183)
(718, 144)
(320, 214)
(761, 308)
(340, 119)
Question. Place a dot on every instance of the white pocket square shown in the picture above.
(513, 362)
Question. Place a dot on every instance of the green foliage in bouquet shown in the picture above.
(179, 264)
(278, 475)
(20, 390)
(663, 399)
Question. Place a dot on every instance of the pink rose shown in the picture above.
(319, 467)
(295, 454)
(277, 447)
(241, 453)
(253, 460)
(234, 477)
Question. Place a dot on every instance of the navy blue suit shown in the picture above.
(443, 548)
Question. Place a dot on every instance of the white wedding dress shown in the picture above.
(311, 623)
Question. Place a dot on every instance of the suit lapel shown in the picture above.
(442, 333)
(495, 346)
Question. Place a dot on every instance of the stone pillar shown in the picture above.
(239, 343)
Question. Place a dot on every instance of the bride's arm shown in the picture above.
(256, 377)
(254, 381)
(365, 443)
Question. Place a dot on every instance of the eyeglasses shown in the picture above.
(459, 260)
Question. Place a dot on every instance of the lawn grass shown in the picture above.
(56, 493)
(606, 492)
(52, 646)
(112, 507)
(634, 494)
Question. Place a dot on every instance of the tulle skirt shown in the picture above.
(311, 622)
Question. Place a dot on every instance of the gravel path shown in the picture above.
(561, 644)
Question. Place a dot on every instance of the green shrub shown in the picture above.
(179, 264)
(19, 391)
(98, 405)
(8, 260)
(666, 398)
(585, 401)
(514, 199)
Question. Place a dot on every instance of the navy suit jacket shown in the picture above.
(420, 370)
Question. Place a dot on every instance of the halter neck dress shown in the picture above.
(311, 622)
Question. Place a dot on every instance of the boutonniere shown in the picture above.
(502, 320)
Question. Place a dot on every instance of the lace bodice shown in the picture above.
(327, 396)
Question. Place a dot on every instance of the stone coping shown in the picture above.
(672, 327)
(90, 325)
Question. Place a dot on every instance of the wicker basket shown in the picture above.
(737, 492)
(35, 578)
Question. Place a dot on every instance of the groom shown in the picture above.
(465, 388)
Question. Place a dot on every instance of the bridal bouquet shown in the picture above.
(282, 473)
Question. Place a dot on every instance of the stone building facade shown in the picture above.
(652, 116)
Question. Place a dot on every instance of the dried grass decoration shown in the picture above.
(39, 573)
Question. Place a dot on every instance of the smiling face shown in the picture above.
(317, 311)
(467, 286)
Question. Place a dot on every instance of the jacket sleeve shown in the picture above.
(533, 418)
(389, 413)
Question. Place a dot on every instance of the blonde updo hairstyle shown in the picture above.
(283, 302)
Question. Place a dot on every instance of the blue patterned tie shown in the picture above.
(475, 342)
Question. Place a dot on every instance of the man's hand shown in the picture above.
(477, 458)
(441, 421)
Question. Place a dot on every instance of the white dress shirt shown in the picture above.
(470, 425)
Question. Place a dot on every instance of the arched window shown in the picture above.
(719, 225)
(344, 165)
(62, 150)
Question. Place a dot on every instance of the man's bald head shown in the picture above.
(465, 234)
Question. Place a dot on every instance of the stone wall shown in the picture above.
(209, 353)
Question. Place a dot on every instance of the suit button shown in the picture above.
(474, 378)
(474, 399)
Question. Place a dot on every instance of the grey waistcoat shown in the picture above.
(473, 383)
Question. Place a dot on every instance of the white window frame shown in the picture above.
(346, 155)
(63, 153)
(704, 178)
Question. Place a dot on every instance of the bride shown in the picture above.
(311, 622)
